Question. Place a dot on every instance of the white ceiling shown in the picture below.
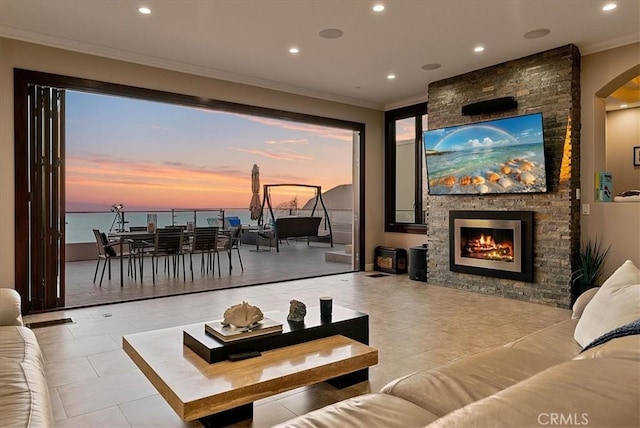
(248, 40)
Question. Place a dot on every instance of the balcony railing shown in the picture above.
(79, 224)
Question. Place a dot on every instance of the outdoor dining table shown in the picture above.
(137, 236)
(130, 237)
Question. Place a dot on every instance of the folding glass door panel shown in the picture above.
(39, 172)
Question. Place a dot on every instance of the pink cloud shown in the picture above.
(325, 132)
(281, 156)
(299, 141)
(405, 130)
(176, 184)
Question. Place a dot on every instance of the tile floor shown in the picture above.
(295, 260)
(414, 326)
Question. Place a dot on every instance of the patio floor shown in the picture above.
(295, 260)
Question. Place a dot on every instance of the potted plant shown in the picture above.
(587, 267)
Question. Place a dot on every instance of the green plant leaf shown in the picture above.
(589, 263)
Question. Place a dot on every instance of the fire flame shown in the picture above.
(486, 247)
(487, 240)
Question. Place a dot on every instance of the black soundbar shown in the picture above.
(490, 106)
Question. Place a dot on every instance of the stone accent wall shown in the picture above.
(547, 82)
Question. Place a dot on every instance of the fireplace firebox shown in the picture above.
(492, 243)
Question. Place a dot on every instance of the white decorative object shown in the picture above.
(242, 315)
(152, 222)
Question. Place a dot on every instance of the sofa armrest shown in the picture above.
(10, 311)
(582, 301)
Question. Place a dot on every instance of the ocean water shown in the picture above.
(480, 162)
(79, 226)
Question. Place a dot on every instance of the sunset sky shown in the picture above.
(156, 156)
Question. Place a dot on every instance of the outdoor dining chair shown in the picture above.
(106, 251)
(233, 243)
(141, 248)
(169, 244)
(205, 242)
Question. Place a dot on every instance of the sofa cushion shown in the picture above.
(24, 394)
(555, 341)
(627, 348)
(452, 386)
(615, 304)
(595, 392)
(369, 410)
(20, 344)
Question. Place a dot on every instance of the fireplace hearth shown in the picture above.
(492, 243)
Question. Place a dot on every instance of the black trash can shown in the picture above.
(418, 263)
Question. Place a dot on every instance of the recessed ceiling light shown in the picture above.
(609, 6)
(378, 7)
(478, 49)
(391, 76)
(432, 66)
(144, 10)
(624, 106)
(536, 34)
(331, 33)
(294, 50)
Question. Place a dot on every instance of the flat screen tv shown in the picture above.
(496, 156)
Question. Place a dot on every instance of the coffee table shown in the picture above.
(344, 321)
(223, 392)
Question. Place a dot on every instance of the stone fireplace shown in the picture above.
(547, 82)
(492, 243)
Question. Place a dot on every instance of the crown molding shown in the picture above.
(627, 39)
(421, 98)
(120, 55)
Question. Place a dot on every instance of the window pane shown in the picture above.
(405, 177)
(405, 170)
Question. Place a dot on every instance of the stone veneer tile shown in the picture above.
(546, 82)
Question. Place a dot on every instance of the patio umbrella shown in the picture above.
(254, 206)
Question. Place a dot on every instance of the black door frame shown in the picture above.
(24, 78)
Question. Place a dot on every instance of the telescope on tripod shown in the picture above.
(118, 219)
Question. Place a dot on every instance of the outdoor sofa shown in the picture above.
(296, 227)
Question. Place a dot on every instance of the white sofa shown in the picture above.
(24, 394)
(542, 379)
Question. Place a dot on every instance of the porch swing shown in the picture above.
(296, 226)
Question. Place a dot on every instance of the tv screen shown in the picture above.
(496, 156)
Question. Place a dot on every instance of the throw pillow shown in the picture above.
(616, 303)
(626, 330)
